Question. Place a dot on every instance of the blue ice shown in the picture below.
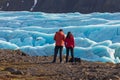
(97, 35)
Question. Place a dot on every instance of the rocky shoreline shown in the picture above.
(16, 65)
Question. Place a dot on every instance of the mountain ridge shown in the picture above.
(61, 6)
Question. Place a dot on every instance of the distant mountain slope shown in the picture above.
(61, 6)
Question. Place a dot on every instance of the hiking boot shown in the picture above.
(61, 62)
(53, 61)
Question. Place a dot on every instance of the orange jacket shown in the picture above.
(59, 38)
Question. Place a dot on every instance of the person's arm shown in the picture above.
(65, 41)
(73, 42)
(63, 37)
(55, 37)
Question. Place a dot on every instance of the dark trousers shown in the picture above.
(56, 50)
(68, 49)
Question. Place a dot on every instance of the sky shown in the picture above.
(97, 35)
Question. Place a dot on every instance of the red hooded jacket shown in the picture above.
(69, 42)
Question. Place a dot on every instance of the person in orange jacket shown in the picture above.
(69, 44)
(59, 38)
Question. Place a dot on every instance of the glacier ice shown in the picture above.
(97, 35)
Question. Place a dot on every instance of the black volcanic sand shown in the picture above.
(15, 65)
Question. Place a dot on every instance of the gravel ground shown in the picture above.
(15, 65)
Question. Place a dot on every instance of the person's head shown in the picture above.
(60, 29)
(69, 34)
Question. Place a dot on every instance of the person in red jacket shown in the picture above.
(59, 38)
(69, 44)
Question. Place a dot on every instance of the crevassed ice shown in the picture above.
(97, 35)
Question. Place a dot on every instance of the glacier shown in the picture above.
(97, 35)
